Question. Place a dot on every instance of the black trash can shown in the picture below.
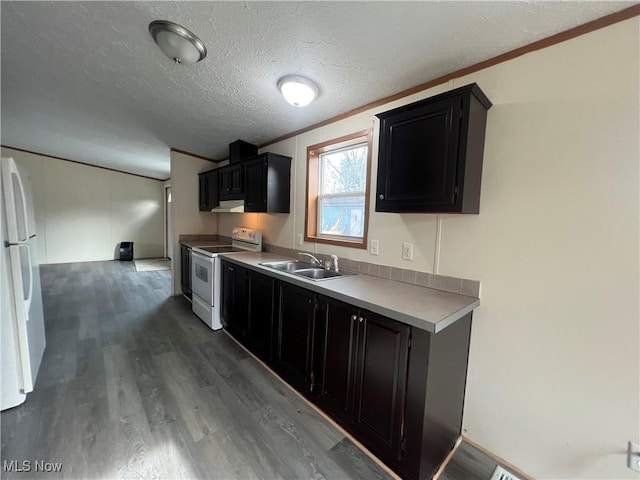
(126, 251)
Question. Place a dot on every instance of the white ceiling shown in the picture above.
(85, 81)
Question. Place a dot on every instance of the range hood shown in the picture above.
(229, 206)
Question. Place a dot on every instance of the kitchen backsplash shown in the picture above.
(461, 286)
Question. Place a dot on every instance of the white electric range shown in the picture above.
(206, 273)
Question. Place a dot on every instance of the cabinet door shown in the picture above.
(260, 325)
(231, 182)
(185, 274)
(294, 340)
(418, 157)
(212, 190)
(233, 311)
(381, 371)
(255, 199)
(203, 192)
(237, 179)
(335, 356)
(225, 180)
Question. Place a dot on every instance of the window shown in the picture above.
(338, 190)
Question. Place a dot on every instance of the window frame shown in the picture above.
(311, 233)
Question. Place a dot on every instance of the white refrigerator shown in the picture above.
(22, 337)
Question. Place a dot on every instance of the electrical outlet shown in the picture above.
(633, 456)
(299, 239)
(407, 251)
(373, 247)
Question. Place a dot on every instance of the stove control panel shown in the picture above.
(247, 235)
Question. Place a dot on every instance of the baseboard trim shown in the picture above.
(499, 460)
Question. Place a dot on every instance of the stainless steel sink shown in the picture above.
(303, 270)
(287, 266)
(318, 273)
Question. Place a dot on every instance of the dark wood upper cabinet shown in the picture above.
(203, 191)
(208, 187)
(267, 183)
(213, 189)
(262, 181)
(430, 154)
(231, 182)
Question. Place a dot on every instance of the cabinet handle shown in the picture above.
(381, 197)
(353, 317)
(231, 268)
(360, 319)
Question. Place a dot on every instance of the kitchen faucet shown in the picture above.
(314, 260)
(335, 262)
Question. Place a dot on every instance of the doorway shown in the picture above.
(168, 243)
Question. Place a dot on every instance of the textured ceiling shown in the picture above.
(85, 81)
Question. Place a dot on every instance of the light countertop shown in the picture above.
(421, 307)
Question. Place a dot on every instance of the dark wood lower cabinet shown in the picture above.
(185, 270)
(294, 335)
(398, 389)
(381, 375)
(233, 310)
(361, 365)
(261, 289)
(436, 381)
(336, 330)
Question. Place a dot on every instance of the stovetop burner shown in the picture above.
(242, 240)
(216, 249)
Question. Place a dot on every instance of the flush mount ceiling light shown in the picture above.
(177, 43)
(297, 90)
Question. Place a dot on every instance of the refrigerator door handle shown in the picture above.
(8, 187)
(27, 302)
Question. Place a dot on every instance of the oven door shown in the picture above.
(202, 276)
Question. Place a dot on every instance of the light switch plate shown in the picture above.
(374, 247)
(299, 239)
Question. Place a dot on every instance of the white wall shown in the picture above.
(185, 217)
(83, 212)
(554, 371)
(557, 252)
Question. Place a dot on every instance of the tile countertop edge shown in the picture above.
(253, 261)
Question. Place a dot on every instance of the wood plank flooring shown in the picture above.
(133, 385)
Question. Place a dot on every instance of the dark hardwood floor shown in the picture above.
(133, 385)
